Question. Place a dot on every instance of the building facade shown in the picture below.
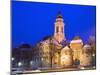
(76, 45)
(87, 55)
(54, 52)
(66, 57)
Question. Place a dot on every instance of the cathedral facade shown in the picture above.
(55, 52)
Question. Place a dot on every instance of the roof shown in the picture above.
(59, 14)
(66, 48)
(87, 46)
(77, 38)
(25, 46)
(76, 41)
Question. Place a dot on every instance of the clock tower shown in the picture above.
(59, 28)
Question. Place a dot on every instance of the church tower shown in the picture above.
(59, 28)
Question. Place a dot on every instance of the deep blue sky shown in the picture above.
(31, 21)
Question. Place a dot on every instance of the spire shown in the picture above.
(59, 14)
(59, 28)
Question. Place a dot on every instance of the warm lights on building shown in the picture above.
(66, 57)
(52, 52)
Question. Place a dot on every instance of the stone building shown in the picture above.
(76, 45)
(86, 56)
(66, 57)
(54, 52)
(22, 56)
(45, 53)
(59, 28)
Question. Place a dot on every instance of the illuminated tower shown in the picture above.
(59, 28)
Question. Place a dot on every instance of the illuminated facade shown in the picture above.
(87, 55)
(44, 53)
(76, 45)
(54, 54)
(66, 57)
(59, 28)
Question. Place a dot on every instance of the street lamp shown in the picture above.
(93, 54)
(19, 64)
(42, 59)
(82, 68)
(12, 58)
(31, 62)
(94, 66)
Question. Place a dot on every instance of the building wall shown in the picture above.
(77, 50)
(66, 57)
(59, 34)
(87, 55)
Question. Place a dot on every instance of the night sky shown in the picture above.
(31, 21)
